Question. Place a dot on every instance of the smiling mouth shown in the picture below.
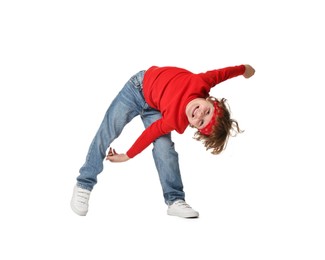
(194, 111)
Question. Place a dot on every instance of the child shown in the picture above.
(167, 99)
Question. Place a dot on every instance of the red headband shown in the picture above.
(207, 130)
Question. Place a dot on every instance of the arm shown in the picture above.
(215, 77)
(155, 130)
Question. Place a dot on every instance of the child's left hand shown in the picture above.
(113, 156)
(249, 71)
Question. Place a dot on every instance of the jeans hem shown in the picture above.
(79, 185)
(170, 202)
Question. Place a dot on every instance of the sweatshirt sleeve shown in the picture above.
(214, 77)
(155, 130)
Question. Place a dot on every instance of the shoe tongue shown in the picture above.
(182, 203)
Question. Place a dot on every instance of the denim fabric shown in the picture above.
(129, 103)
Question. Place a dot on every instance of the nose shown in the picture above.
(197, 119)
(199, 114)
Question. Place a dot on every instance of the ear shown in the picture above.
(211, 99)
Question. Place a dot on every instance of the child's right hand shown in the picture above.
(113, 156)
(249, 71)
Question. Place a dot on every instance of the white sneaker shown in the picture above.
(79, 201)
(181, 209)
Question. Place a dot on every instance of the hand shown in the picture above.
(113, 156)
(249, 71)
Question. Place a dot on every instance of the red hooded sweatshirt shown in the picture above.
(169, 90)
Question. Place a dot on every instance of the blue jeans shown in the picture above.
(129, 103)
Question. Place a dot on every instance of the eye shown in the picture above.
(208, 112)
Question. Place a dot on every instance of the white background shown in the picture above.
(62, 63)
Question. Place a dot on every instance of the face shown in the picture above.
(199, 112)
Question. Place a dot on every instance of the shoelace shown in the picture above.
(82, 196)
(182, 204)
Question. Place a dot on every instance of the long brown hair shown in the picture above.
(223, 128)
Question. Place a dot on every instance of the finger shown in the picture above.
(110, 157)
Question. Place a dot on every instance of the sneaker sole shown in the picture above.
(190, 215)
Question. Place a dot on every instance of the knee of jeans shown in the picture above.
(137, 79)
(135, 82)
(164, 145)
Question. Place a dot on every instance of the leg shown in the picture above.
(166, 160)
(127, 104)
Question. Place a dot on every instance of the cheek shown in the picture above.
(192, 123)
(188, 117)
(209, 119)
